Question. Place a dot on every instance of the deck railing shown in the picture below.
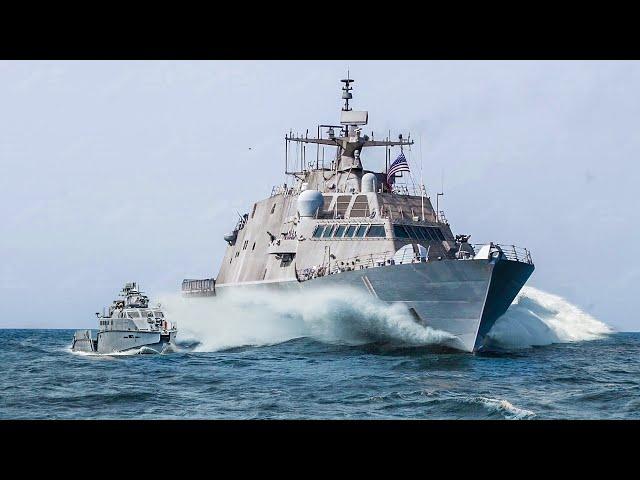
(380, 259)
(510, 252)
(359, 262)
(196, 287)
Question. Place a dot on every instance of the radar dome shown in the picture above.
(409, 254)
(310, 202)
(368, 183)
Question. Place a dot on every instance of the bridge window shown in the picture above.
(424, 233)
(412, 231)
(350, 230)
(339, 231)
(273, 208)
(430, 234)
(439, 233)
(317, 233)
(376, 231)
(400, 232)
(327, 231)
(361, 230)
(427, 234)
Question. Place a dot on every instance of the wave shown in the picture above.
(127, 353)
(258, 318)
(537, 318)
(504, 408)
(241, 318)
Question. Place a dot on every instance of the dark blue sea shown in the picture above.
(304, 378)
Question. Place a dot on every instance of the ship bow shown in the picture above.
(507, 279)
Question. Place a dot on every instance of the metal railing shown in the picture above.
(199, 287)
(412, 190)
(359, 262)
(380, 259)
(283, 190)
(510, 252)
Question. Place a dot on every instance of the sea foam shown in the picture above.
(244, 317)
(333, 315)
(540, 318)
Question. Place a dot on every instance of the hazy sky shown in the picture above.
(120, 171)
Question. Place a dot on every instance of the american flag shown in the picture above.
(399, 165)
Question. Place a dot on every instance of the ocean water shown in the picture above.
(271, 357)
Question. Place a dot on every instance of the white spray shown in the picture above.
(539, 318)
(244, 317)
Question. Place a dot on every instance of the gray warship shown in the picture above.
(129, 325)
(368, 233)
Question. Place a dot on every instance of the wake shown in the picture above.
(243, 318)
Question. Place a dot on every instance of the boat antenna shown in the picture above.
(346, 96)
(346, 92)
(438, 195)
(422, 192)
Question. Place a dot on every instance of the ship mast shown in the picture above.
(349, 143)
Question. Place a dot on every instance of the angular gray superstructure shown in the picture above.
(339, 224)
(130, 325)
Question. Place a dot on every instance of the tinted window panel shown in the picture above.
(327, 231)
(439, 233)
(318, 231)
(350, 230)
(423, 233)
(400, 232)
(340, 231)
(412, 231)
(376, 231)
(427, 233)
(361, 230)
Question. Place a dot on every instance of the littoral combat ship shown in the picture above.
(377, 233)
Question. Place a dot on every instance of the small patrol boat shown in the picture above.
(129, 325)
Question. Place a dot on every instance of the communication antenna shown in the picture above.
(422, 192)
(346, 92)
(438, 195)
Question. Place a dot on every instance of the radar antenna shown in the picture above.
(346, 92)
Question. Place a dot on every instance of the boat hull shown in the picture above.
(461, 297)
(119, 341)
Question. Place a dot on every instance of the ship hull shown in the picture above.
(119, 341)
(462, 298)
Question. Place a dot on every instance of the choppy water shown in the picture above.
(261, 358)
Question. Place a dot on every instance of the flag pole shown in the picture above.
(386, 161)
